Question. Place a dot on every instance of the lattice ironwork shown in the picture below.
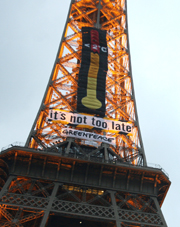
(18, 217)
(32, 187)
(138, 208)
(111, 193)
(138, 217)
(61, 92)
(81, 209)
(29, 195)
(25, 200)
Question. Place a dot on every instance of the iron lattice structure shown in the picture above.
(61, 92)
(54, 181)
(47, 188)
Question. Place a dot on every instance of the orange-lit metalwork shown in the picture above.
(55, 180)
(109, 15)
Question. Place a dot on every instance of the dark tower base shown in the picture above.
(52, 189)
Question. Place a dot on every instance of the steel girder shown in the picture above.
(26, 199)
(43, 184)
(88, 168)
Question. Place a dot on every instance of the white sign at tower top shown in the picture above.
(89, 121)
(69, 132)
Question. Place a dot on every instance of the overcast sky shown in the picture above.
(30, 32)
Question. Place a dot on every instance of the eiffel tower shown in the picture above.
(61, 179)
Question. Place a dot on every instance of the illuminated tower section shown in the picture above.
(83, 163)
(61, 92)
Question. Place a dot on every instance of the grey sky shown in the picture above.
(30, 32)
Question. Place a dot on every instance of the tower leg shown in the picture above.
(46, 214)
(113, 200)
(159, 211)
(5, 187)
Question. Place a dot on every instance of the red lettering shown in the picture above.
(95, 41)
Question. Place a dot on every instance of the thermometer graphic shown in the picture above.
(91, 101)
